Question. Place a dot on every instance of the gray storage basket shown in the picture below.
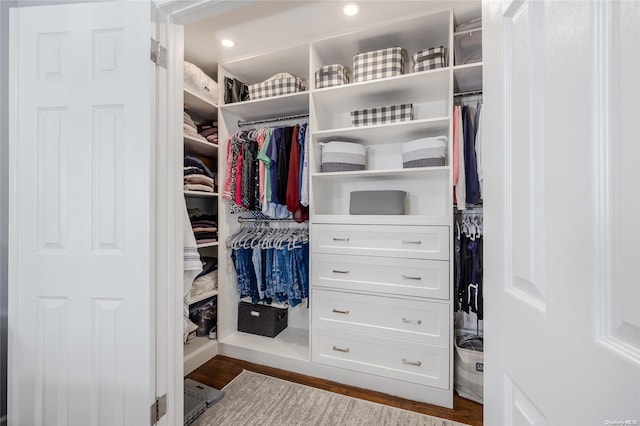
(384, 202)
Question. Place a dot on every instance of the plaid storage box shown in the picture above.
(331, 75)
(425, 152)
(276, 87)
(379, 64)
(340, 156)
(382, 115)
(429, 59)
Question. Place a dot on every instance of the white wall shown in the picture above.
(4, 175)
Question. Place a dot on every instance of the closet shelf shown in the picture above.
(199, 106)
(292, 342)
(468, 77)
(199, 147)
(213, 244)
(387, 133)
(381, 173)
(402, 89)
(198, 351)
(409, 220)
(200, 194)
(261, 109)
(203, 296)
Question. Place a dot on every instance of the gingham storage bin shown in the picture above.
(429, 59)
(382, 115)
(276, 87)
(425, 152)
(340, 156)
(331, 75)
(379, 64)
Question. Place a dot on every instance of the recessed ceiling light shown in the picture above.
(227, 43)
(351, 9)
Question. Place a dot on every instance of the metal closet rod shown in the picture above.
(470, 93)
(271, 120)
(252, 219)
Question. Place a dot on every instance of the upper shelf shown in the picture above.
(467, 78)
(383, 133)
(424, 86)
(199, 106)
(262, 109)
(199, 147)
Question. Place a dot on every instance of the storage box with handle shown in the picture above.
(260, 319)
(338, 156)
(382, 115)
(331, 75)
(278, 85)
(424, 152)
(429, 59)
(381, 63)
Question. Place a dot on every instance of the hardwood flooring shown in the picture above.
(221, 370)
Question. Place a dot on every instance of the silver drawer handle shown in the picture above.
(404, 361)
(338, 311)
(340, 239)
(411, 242)
(335, 348)
(411, 321)
(409, 277)
(336, 271)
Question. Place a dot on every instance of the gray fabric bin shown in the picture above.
(377, 202)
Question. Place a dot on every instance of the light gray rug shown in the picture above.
(256, 399)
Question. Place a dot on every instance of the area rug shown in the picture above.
(256, 399)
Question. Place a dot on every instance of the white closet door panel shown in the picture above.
(396, 359)
(417, 242)
(395, 318)
(404, 277)
(80, 268)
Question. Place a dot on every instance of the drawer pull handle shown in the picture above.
(335, 348)
(409, 277)
(340, 239)
(337, 271)
(411, 321)
(338, 311)
(411, 242)
(417, 363)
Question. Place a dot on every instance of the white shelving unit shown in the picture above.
(425, 292)
(201, 349)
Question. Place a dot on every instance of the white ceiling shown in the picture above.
(265, 25)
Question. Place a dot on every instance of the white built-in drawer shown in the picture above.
(396, 359)
(384, 316)
(417, 242)
(406, 277)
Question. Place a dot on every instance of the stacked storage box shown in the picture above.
(379, 64)
(425, 152)
(279, 84)
(429, 59)
(331, 75)
(342, 157)
(382, 115)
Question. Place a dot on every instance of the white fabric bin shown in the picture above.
(424, 152)
(468, 375)
(338, 156)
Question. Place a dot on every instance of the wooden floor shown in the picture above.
(221, 370)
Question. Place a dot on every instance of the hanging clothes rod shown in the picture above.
(469, 93)
(252, 219)
(271, 120)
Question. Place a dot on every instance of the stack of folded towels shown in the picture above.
(197, 176)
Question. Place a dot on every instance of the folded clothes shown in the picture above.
(190, 161)
(198, 187)
(198, 178)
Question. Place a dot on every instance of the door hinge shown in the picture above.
(158, 409)
(158, 54)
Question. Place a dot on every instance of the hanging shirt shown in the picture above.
(471, 171)
(304, 186)
(265, 165)
(293, 180)
(283, 164)
(461, 191)
(272, 152)
(479, 147)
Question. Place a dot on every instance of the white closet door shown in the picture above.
(561, 155)
(81, 341)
